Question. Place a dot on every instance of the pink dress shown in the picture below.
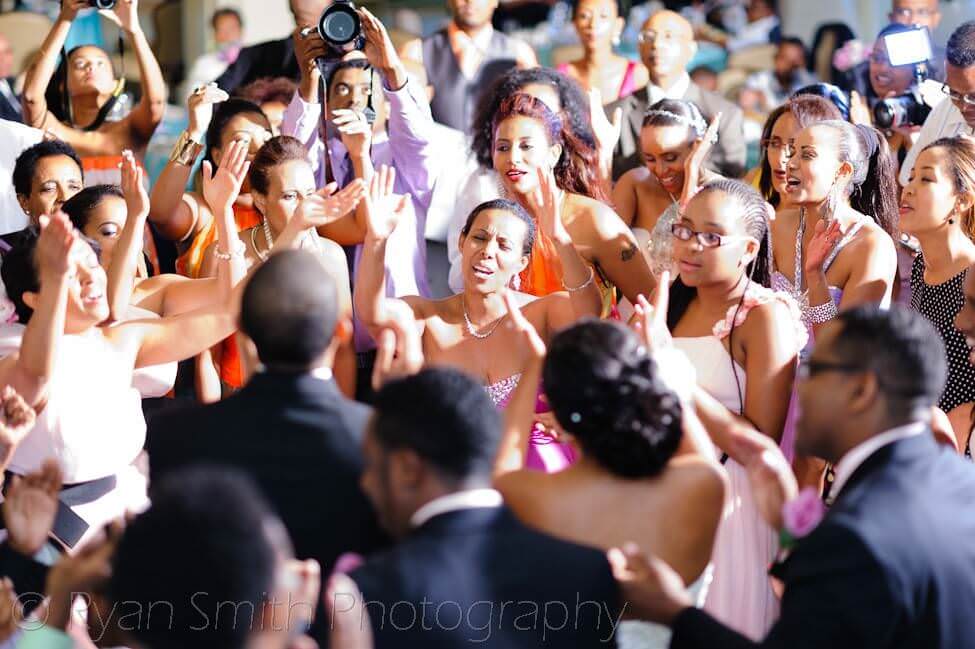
(544, 452)
(740, 594)
(626, 87)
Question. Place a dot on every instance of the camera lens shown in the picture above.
(102, 4)
(339, 24)
(905, 110)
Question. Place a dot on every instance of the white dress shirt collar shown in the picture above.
(469, 499)
(677, 90)
(859, 454)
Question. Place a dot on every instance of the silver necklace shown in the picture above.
(471, 329)
(267, 234)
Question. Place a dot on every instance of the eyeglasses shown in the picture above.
(775, 144)
(649, 35)
(706, 239)
(957, 97)
(907, 13)
(809, 368)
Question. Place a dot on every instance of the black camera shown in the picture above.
(906, 110)
(341, 29)
(102, 4)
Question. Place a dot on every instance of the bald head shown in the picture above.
(290, 310)
(666, 46)
(307, 12)
(6, 58)
(926, 13)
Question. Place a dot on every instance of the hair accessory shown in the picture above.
(697, 122)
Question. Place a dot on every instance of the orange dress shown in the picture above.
(188, 264)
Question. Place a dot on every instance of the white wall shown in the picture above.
(264, 20)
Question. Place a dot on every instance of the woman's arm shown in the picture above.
(125, 256)
(624, 198)
(770, 364)
(614, 249)
(148, 113)
(41, 71)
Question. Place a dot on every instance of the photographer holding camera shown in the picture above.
(349, 144)
(955, 115)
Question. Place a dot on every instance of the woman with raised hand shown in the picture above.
(836, 250)
(530, 142)
(938, 208)
(282, 187)
(186, 217)
(86, 88)
(743, 340)
(676, 141)
(465, 330)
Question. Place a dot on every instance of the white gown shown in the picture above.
(646, 635)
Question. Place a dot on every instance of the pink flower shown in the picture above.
(851, 54)
(801, 515)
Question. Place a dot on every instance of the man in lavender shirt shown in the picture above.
(343, 146)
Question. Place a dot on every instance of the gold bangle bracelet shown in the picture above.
(186, 150)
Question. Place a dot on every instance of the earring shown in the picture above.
(617, 38)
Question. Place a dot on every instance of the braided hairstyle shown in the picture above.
(605, 390)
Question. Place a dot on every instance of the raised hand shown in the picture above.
(327, 206)
(309, 47)
(221, 188)
(399, 348)
(200, 108)
(133, 187)
(384, 209)
(17, 420)
(125, 14)
(651, 318)
(607, 131)
(54, 245)
(859, 110)
(70, 9)
(651, 590)
(824, 240)
(86, 570)
(354, 130)
(694, 162)
(543, 203)
(379, 48)
(29, 507)
(525, 332)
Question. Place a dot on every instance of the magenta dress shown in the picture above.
(544, 452)
(626, 87)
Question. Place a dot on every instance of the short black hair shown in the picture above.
(445, 417)
(899, 346)
(194, 570)
(225, 11)
(80, 206)
(796, 41)
(960, 51)
(289, 310)
(622, 7)
(27, 162)
(515, 209)
(828, 91)
(361, 64)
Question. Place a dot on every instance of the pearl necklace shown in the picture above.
(471, 329)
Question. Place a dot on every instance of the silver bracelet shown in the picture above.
(585, 284)
(238, 251)
(821, 313)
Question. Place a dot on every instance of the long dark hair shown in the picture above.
(573, 173)
(222, 114)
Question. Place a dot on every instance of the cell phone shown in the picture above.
(910, 47)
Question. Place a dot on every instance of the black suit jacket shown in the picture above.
(480, 578)
(298, 438)
(728, 155)
(7, 109)
(267, 59)
(891, 565)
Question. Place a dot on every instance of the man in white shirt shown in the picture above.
(956, 114)
(14, 138)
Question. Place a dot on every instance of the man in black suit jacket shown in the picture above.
(666, 47)
(273, 58)
(466, 571)
(289, 428)
(9, 101)
(889, 565)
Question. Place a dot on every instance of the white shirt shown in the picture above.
(676, 91)
(469, 499)
(754, 33)
(944, 121)
(14, 138)
(860, 453)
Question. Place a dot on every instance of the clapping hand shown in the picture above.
(200, 107)
(823, 241)
(651, 590)
(327, 206)
(29, 507)
(221, 188)
(54, 245)
(607, 131)
(772, 480)
(526, 336)
(17, 420)
(544, 205)
(354, 130)
(399, 348)
(650, 321)
(384, 209)
(133, 187)
(694, 162)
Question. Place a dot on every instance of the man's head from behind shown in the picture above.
(307, 12)
(433, 433)
(915, 12)
(666, 45)
(196, 568)
(290, 312)
(871, 370)
(960, 70)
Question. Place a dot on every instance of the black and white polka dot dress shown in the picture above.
(940, 304)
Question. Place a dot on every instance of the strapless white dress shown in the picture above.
(646, 635)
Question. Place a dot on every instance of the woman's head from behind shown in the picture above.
(280, 178)
(779, 138)
(941, 191)
(495, 245)
(835, 161)
(670, 128)
(605, 391)
(722, 235)
(99, 213)
(45, 176)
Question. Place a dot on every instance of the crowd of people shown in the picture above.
(674, 397)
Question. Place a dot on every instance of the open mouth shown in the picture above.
(482, 271)
(792, 183)
(92, 298)
(514, 175)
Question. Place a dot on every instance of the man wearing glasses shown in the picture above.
(666, 47)
(956, 114)
(922, 13)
